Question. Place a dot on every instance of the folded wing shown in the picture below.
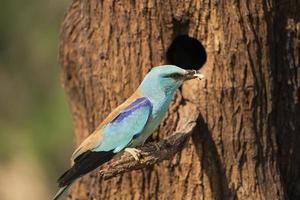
(117, 134)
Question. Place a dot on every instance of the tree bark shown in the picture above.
(246, 142)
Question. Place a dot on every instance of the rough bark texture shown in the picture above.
(246, 145)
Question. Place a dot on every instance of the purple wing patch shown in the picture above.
(138, 103)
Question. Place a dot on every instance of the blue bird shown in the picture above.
(130, 124)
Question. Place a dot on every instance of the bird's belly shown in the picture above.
(159, 110)
(149, 129)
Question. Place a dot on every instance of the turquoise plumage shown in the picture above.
(130, 124)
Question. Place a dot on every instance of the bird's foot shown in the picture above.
(136, 153)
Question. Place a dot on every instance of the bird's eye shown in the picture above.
(175, 76)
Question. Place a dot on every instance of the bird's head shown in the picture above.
(168, 78)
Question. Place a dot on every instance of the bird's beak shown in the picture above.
(192, 74)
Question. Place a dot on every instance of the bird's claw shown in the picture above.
(136, 153)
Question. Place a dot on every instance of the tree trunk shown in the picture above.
(246, 144)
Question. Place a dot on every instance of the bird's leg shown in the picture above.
(136, 153)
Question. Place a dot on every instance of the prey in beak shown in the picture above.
(193, 74)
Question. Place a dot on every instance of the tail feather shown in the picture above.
(85, 163)
(60, 179)
(66, 178)
(60, 192)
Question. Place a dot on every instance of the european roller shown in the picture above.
(130, 124)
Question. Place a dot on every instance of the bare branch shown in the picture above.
(151, 153)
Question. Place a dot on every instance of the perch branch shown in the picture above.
(150, 153)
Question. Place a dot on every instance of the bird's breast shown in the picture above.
(158, 112)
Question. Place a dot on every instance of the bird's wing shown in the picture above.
(120, 127)
(117, 134)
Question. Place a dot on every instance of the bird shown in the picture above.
(129, 125)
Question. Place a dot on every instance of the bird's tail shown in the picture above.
(60, 192)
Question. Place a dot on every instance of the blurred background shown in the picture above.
(35, 123)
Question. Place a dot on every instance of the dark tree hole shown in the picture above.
(186, 52)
